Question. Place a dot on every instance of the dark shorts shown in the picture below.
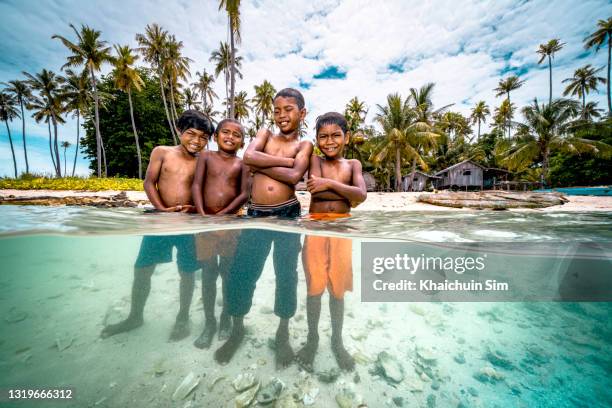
(156, 249)
(288, 209)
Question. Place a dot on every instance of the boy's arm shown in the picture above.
(245, 180)
(197, 188)
(151, 178)
(315, 170)
(355, 193)
(291, 175)
(254, 155)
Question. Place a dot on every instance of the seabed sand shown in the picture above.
(374, 202)
(547, 354)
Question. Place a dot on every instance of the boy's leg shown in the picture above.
(187, 265)
(247, 266)
(336, 312)
(305, 357)
(225, 321)
(141, 287)
(210, 271)
(286, 252)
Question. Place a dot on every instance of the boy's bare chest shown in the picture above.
(282, 149)
(174, 166)
(216, 167)
(339, 171)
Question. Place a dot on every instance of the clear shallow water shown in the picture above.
(68, 272)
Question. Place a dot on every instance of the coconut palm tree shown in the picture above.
(126, 78)
(65, 144)
(8, 112)
(222, 58)
(503, 116)
(590, 111)
(48, 106)
(547, 128)
(596, 40)
(232, 8)
(204, 86)
(505, 86)
(241, 105)
(548, 50)
(153, 49)
(22, 93)
(77, 94)
(176, 67)
(355, 112)
(479, 114)
(455, 124)
(191, 101)
(263, 101)
(585, 80)
(210, 113)
(90, 51)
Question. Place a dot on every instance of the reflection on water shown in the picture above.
(296, 296)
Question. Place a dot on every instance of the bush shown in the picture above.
(33, 182)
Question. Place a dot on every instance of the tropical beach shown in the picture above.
(305, 204)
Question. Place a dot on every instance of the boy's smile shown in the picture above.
(193, 140)
(287, 115)
(331, 140)
(230, 137)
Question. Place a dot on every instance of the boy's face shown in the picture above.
(193, 140)
(331, 140)
(229, 138)
(287, 115)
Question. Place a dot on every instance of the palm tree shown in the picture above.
(232, 8)
(90, 51)
(8, 112)
(190, 99)
(590, 111)
(204, 86)
(263, 102)
(65, 144)
(222, 58)
(585, 80)
(153, 49)
(210, 113)
(503, 116)
(506, 85)
(241, 105)
(548, 128)
(548, 51)
(479, 114)
(355, 112)
(48, 106)
(78, 97)
(21, 92)
(597, 39)
(454, 124)
(126, 77)
(176, 67)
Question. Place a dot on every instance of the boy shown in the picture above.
(220, 186)
(336, 185)
(168, 186)
(278, 162)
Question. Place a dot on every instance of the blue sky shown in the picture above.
(331, 50)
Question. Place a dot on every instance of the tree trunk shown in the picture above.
(135, 135)
(232, 72)
(104, 158)
(478, 130)
(412, 173)
(608, 83)
(12, 149)
(549, 80)
(545, 167)
(509, 111)
(173, 106)
(65, 161)
(25, 149)
(76, 150)
(398, 170)
(163, 95)
(97, 121)
(58, 169)
(51, 145)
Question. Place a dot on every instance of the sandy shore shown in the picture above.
(375, 201)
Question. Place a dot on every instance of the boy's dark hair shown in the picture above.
(229, 120)
(192, 119)
(292, 93)
(332, 118)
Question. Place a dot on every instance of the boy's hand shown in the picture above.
(317, 184)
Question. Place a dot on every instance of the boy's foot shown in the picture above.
(180, 330)
(225, 327)
(344, 359)
(206, 338)
(305, 357)
(283, 351)
(225, 353)
(126, 325)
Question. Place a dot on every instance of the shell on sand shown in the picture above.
(271, 391)
(246, 398)
(184, 389)
(347, 398)
(390, 367)
(243, 381)
(426, 354)
(286, 401)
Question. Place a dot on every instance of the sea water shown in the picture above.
(67, 272)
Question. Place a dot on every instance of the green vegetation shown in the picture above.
(30, 182)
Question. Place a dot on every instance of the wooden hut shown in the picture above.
(370, 181)
(464, 175)
(419, 182)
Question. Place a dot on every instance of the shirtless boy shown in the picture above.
(168, 186)
(278, 162)
(336, 185)
(220, 186)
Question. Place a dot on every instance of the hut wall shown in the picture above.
(457, 177)
(419, 183)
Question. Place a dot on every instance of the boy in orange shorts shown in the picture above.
(336, 185)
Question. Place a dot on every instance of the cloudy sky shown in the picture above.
(331, 50)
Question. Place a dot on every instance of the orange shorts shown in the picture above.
(328, 263)
(212, 243)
